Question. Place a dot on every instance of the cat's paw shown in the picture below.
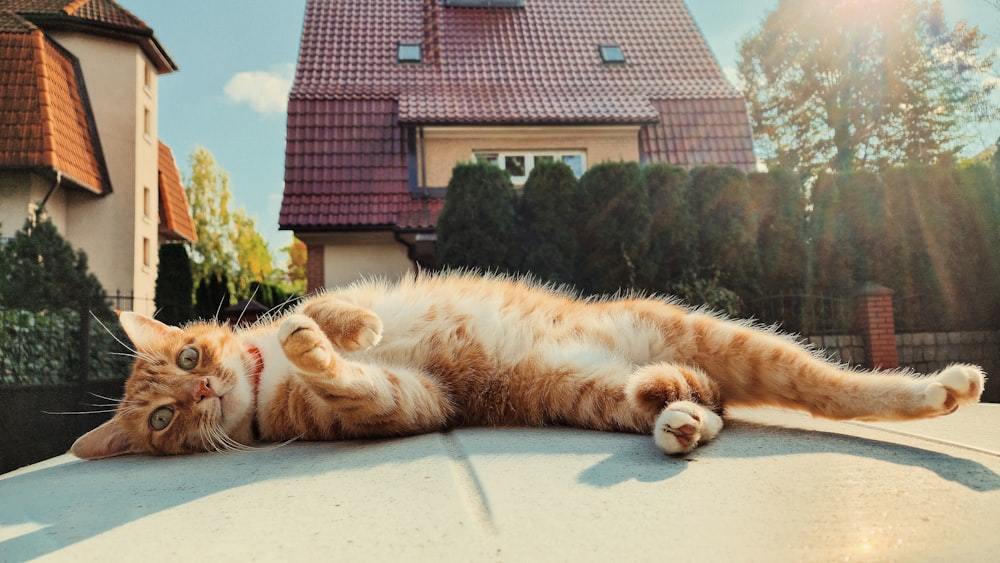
(304, 344)
(365, 333)
(683, 425)
(348, 327)
(953, 386)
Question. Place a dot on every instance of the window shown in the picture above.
(145, 202)
(147, 77)
(145, 252)
(520, 164)
(146, 124)
(408, 53)
(611, 54)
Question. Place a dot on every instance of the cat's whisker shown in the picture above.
(101, 411)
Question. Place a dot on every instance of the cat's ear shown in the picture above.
(107, 440)
(144, 330)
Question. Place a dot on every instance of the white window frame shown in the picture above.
(500, 159)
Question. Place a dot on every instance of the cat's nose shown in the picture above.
(203, 390)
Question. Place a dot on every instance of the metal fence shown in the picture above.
(811, 315)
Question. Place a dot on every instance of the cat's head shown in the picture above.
(190, 391)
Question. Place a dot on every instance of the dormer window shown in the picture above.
(408, 53)
(611, 54)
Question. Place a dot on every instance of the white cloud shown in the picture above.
(264, 91)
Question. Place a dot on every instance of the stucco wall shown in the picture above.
(444, 147)
(347, 257)
(120, 241)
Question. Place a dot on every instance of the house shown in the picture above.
(390, 94)
(78, 136)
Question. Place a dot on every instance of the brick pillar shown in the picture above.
(873, 318)
(314, 268)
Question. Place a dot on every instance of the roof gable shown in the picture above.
(47, 122)
(175, 211)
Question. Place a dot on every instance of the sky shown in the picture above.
(237, 61)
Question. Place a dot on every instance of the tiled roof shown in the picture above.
(46, 120)
(694, 132)
(539, 64)
(100, 17)
(175, 212)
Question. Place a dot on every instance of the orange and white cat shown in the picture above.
(437, 352)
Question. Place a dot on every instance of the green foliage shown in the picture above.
(476, 228)
(672, 228)
(547, 207)
(40, 271)
(854, 84)
(778, 203)
(612, 227)
(211, 296)
(44, 347)
(174, 285)
(228, 246)
(725, 247)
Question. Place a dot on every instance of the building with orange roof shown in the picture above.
(78, 114)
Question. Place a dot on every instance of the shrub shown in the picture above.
(174, 285)
(476, 227)
(547, 207)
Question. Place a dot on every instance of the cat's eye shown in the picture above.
(187, 358)
(161, 418)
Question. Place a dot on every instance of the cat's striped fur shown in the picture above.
(435, 352)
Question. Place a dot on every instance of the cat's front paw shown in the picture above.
(683, 425)
(955, 385)
(304, 344)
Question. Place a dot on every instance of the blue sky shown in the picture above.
(237, 61)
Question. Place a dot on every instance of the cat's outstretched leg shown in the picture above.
(685, 402)
(364, 399)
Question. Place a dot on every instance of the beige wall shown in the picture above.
(447, 146)
(121, 243)
(21, 192)
(348, 257)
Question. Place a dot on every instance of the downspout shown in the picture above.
(41, 206)
(423, 161)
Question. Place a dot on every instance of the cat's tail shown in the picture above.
(757, 367)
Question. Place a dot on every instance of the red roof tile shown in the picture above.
(175, 212)
(539, 64)
(46, 120)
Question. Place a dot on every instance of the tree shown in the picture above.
(778, 202)
(174, 285)
(672, 227)
(547, 207)
(476, 228)
(845, 84)
(612, 228)
(295, 272)
(39, 270)
(229, 246)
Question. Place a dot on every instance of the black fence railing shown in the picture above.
(810, 315)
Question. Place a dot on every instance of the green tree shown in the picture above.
(174, 285)
(476, 228)
(725, 248)
(612, 228)
(547, 206)
(846, 84)
(672, 228)
(229, 246)
(39, 270)
(778, 203)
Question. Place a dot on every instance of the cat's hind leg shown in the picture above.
(685, 402)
